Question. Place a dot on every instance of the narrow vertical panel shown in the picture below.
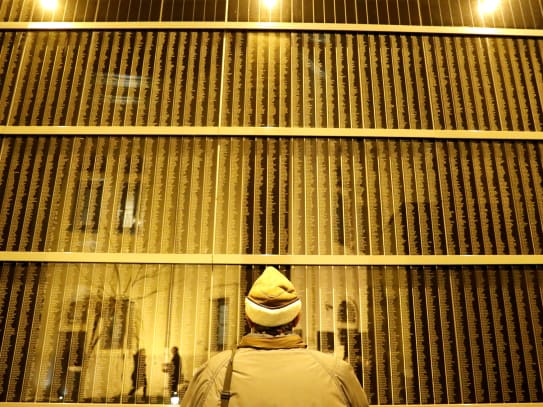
(70, 82)
(461, 209)
(507, 202)
(377, 103)
(449, 342)
(10, 53)
(434, 333)
(360, 203)
(229, 68)
(469, 344)
(506, 298)
(324, 188)
(270, 204)
(179, 79)
(248, 79)
(417, 371)
(285, 97)
(373, 195)
(207, 194)
(367, 118)
(132, 195)
(170, 183)
(445, 201)
(432, 66)
(124, 80)
(260, 100)
(518, 198)
(389, 199)
(25, 78)
(434, 200)
(534, 228)
(106, 80)
(298, 223)
(339, 55)
(488, 283)
(105, 199)
(531, 384)
(423, 211)
(330, 70)
(395, 336)
(38, 190)
(273, 89)
(348, 175)
(466, 183)
(157, 177)
(46, 95)
(521, 87)
(31, 380)
(210, 114)
(534, 76)
(336, 198)
(93, 200)
(388, 49)
(311, 180)
(398, 221)
(464, 93)
(351, 71)
(282, 216)
(380, 335)
(7, 147)
(422, 84)
(21, 187)
(80, 111)
(257, 197)
(408, 209)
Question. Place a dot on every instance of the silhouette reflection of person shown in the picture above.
(139, 378)
(174, 370)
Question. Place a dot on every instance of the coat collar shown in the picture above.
(263, 341)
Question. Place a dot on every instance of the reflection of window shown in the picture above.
(127, 215)
(114, 322)
(347, 312)
(89, 213)
(221, 314)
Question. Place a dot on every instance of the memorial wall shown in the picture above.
(351, 130)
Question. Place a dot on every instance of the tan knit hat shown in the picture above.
(272, 300)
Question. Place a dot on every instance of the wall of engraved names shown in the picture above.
(413, 334)
(273, 79)
(276, 195)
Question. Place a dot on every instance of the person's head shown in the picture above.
(175, 350)
(272, 305)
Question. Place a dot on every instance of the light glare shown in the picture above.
(49, 4)
(270, 3)
(488, 6)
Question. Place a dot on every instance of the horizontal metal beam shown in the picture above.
(268, 131)
(233, 259)
(270, 26)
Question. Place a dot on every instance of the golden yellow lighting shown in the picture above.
(488, 6)
(49, 5)
(270, 3)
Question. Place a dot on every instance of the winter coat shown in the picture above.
(276, 371)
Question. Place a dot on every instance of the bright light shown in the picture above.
(488, 6)
(270, 3)
(50, 5)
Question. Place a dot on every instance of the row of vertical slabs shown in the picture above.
(270, 79)
(270, 195)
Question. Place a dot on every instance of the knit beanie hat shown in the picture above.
(272, 300)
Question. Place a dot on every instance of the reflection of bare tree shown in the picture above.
(106, 323)
(116, 318)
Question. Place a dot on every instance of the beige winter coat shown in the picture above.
(276, 373)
